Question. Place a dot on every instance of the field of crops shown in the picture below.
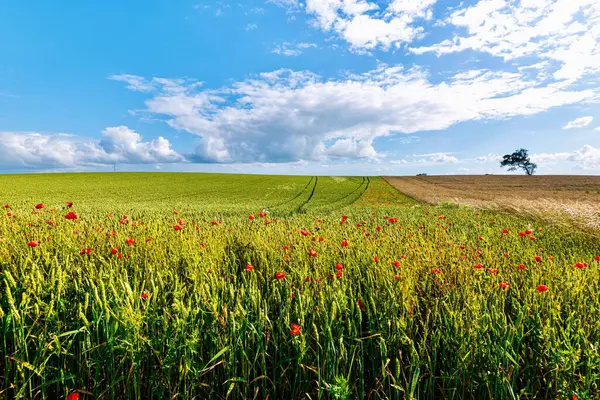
(179, 286)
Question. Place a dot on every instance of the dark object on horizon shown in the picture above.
(519, 159)
(422, 174)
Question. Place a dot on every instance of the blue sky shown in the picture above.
(299, 86)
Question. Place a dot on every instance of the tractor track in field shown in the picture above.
(300, 210)
(296, 196)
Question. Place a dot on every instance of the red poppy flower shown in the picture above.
(538, 258)
(33, 243)
(213, 222)
(339, 274)
(114, 251)
(312, 253)
(71, 215)
(528, 232)
(344, 218)
(480, 238)
(144, 295)
(73, 396)
(492, 270)
(504, 285)
(321, 239)
(396, 263)
(339, 266)
(39, 206)
(177, 227)
(85, 251)
(522, 234)
(521, 267)
(129, 241)
(304, 232)
(263, 214)
(249, 267)
(378, 228)
(345, 243)
(279, 275)
(597, 258)
(69, 204)
(307, 279)
(580, 265)
(6, 206)
(542, 288)
(296, 329)
(376, 259)
(361, 305)
(505, 231)
(436, 271)
(396, 277)
(9, 214)
(148, 240)
(532, 238)
(286, 247)
(251, 217)
(119, 256)
(393, 220)
(478, 266)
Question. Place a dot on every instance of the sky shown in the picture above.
(327, 87)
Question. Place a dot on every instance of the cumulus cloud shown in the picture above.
(586, 158)
(565, 32)
(286, 115)
(579, 123)
(366, 24)
(31, 150)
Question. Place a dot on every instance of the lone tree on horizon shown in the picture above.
(519, 159)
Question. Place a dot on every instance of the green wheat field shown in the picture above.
(208, 286)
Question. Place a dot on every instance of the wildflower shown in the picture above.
(378, 228)
(436, 271)
(505, 231)
(597, 258)
(249, 267)
(521, 267)
(148, 240)
(344, 218)
(339, 274)
(339, 266)
(492, 270)
(296, 329)
(251, 217)
(480, 238)
(129, 241)
(312, 253)
(144, 295)
(375, 259)
(542, 288)
(504, 285)
(114, 251)
(69, 204)
(396, 277)
(345, 244)
(9, 214)
(532, 238)
(580, 265)
(304, 232)
(71, 215)
(85, 251)
(263, 214)
(361, 305)
(33, 243)
(522, 234)
(538, 258)
(396, 263)
(73, 396)
(177, 227)
(39, 206)
(6, 206)
(393, 220)
(528, 232)
(279, 275)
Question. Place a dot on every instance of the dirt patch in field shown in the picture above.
(573, 199)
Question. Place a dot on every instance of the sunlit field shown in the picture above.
(178, 286)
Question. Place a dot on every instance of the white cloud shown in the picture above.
(586, 158)
(439, 158)
(292, 49)
(134, 82)
(250, 27)
(579, 123)
(565, 32)
(288, 115)
(364, 24)
(118, 145)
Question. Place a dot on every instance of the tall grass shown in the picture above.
(180, 316)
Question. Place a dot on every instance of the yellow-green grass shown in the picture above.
(209, 328)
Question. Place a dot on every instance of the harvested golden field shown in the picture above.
(573, 199)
